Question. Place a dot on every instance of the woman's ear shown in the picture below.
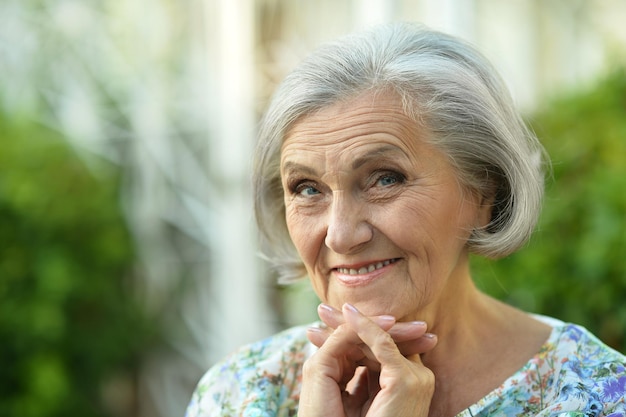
(486, 207)
(485, 212)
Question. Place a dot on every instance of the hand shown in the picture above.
(410, 337)
(334, 384)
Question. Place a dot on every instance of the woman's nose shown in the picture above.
(347, 228)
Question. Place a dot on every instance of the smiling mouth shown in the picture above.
(367, 268)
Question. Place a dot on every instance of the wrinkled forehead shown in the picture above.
(368, 116)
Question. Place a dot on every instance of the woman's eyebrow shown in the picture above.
(387, 151)
(291, 166)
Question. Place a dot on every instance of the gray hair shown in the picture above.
(448, 87)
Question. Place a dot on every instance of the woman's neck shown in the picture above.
(481, 342)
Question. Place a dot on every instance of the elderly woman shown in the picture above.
(384, 160)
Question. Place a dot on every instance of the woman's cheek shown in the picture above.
(303, 235)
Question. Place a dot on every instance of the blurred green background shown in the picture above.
(71, 332)
(574, 267)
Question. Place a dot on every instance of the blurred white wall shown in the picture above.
(171, 91)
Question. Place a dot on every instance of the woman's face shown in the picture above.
(376, 213)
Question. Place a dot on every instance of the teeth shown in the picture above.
(365, 269)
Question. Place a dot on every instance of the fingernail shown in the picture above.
(418, 323)
(430, 336)
(326, 307)
(385, 317)
(314, 329)
(351, 308)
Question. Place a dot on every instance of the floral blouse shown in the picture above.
(574, 374)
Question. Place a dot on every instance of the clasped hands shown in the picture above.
(366, 367)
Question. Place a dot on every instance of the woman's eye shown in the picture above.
(307, 191)
(304, 189)
(388, 179)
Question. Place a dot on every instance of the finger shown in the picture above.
(410, 337)
(330, 316)
(405, 383)
(319, 335)
(339, 355)
(418, 346)
(333, 318)
(356, 383)
(341, 341)
(358, 388)
(327, 372)
(407, 349)
(400, 332)
(405, 331)
(379, 341)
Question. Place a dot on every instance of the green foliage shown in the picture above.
(574, 267)
(67, 320)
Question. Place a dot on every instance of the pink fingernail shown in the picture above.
(326, 307)
(387, 318)
(430, 336)
(418, 323)
(351, 307)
